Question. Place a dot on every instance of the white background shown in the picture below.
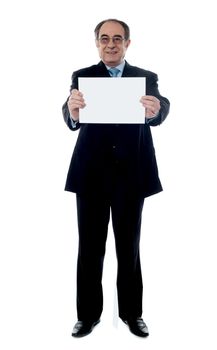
(42, 43)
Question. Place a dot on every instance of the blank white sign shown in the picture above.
(112, 100)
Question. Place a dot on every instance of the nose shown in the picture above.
(111, 43)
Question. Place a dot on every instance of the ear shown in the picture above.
(127, 43)
(97, 43)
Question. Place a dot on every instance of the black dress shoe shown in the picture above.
(138, 327)
(83, 328)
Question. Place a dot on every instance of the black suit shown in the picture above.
(113, 166)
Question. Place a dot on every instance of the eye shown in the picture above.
(117, 40)
(104, 40)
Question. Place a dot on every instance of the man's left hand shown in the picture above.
(152, 105)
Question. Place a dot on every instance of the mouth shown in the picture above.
(111, 52)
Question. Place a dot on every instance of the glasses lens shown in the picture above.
(104, 40)
(117, 40)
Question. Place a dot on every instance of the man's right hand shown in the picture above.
(75, 102)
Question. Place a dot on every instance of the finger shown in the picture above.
(75, 103)
(149, 105)
(76, 98)
(150, 98)
(153, 104)
(151, 110)
(150, 115)
(75, 93)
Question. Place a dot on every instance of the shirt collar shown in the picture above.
(120, 67)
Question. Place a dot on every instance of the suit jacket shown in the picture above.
(104, 152)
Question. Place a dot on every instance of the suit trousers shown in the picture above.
(93, 218)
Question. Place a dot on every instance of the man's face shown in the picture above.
(112, 52)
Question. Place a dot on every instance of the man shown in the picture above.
(113, 167)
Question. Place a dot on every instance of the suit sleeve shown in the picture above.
(65, 110)
(152, 89)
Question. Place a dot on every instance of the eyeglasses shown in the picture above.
(116, 39)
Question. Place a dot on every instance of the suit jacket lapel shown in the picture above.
(128, 71)
(101, 70)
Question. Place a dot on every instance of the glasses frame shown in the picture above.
(116, 39)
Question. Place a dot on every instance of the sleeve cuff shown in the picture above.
(73, 123)
(149, 120)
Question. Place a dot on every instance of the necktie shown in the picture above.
(114, 72)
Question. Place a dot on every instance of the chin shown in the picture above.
(112, 62)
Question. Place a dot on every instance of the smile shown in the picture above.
(111, 52)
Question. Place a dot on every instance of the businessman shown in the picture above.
(112, 170)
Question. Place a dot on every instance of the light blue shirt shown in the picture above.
(120, 67)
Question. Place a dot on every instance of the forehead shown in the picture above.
(111, 28)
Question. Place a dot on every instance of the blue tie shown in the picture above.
(114, 72)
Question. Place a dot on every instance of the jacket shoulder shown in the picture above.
(140, 71)
(87, 70)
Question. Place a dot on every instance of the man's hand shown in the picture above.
(75, 102)
(152, 105)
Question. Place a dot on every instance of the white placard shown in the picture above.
(112, 100)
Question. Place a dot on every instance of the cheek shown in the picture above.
(100, 51)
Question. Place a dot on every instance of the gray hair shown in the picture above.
(123, 24)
